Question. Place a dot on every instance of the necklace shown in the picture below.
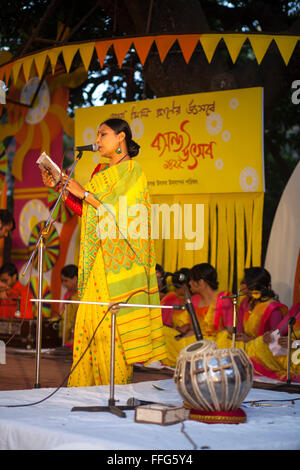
(126, 155)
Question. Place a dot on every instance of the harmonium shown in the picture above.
(21, 333)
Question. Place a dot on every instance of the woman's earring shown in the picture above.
(119, 150)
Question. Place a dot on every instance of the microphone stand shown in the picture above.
(234, 298)
(39, 247)
(111, 406)
(190, 309)
(292, 321)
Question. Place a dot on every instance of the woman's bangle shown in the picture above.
(86, 193)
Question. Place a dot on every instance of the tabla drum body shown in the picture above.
(213, 379)
(19, 333)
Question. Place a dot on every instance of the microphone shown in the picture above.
(87, 148)
(18, 313)
(136, 402)
(181, 277)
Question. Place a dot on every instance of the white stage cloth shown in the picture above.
(52, 425)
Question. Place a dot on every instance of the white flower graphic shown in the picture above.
(42, 102)
(137, 128)
(89, 135)
(249, 179)
(32, 213)
(234, 102)
(214, 123)
(219, 164)
(226, 136)
(96, 158)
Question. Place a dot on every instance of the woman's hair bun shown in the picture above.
(133, 148)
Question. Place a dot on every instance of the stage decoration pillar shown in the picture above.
(34, 129)
(3, 188)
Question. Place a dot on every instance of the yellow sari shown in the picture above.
(112, 267)
(252, 325)
(210, 322)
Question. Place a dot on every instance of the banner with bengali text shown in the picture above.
(190, 144)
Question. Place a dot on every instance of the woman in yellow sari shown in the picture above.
(259, 312)
(274, 363)
(116, 261)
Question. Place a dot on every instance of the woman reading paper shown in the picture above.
(113, 265)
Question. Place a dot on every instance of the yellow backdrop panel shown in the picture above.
(203, 158)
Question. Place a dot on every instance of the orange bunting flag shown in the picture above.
(121, 47)
(164, 44)
(102, 48)
(188, 43)
(142, 46)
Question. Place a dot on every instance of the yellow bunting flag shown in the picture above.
(68, 55)
(6, 72)
(16, 70)
(286, 46)
(209, 43)
(86, 52)
(53, 56)
(40, 60)
(260, 44)
(27, 64)
(234, 43)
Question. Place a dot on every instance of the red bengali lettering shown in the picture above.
(181, 144)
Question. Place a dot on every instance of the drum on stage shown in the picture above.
(19, 333)
(212, 379)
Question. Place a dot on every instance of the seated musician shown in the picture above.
(7, 223)
(14, 296)
(69, 280)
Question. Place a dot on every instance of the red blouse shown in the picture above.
(73, 202)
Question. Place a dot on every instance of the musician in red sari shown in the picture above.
(14, 296)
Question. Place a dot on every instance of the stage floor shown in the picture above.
(44, 419)
(19, 372)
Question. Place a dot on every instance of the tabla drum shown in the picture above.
(19, 333)
(213, 379)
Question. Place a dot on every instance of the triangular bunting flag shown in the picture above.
(86, 52)
(27, 64)
(40, 60)
(209, 43)
(68, 55)
(164, 44)
(286, 46)
(121, 47)
(7, 71)
(53, 55)
(16, 70)
(188, 43)
(259, 44)
(102, 49)
(234, 43)
(142, 46)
